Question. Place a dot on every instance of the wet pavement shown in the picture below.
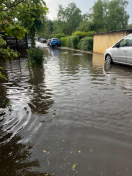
(72, 116)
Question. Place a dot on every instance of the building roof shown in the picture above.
(123, 30)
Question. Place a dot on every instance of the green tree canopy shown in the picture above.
(68, 19)
(109, 15)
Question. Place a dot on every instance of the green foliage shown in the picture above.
(68, 19)
(83, 34)
(129, 26)
(19, 16)
(86, 44)
(64, 41)
(2, 77)
(59, 36)
(36, 56)
(73, 42)
(47, 31)
(109, 15)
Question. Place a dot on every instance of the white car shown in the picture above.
(121, 52)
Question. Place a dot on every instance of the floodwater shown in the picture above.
(72, 116)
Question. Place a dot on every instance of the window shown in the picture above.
(126, 42)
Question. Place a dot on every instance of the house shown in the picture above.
(104, 40)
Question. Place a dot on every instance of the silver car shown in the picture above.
(121, 52)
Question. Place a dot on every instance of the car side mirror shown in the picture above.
(118, 45)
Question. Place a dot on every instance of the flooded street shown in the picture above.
(72, 116)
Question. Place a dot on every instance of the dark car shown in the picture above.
(42, 40)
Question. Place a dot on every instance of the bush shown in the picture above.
(36, 56)
(64, 41)
(90, 33)
(59, 36)
(86, 44)
(83, 34)
(73, 42)
(79, 34)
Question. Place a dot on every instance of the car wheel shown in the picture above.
(108, 59)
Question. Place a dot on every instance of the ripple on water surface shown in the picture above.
(70, 116)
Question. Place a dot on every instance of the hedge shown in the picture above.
(86, 44)
(64, 41)
(71, 42)
(59, 36)
(83, 34)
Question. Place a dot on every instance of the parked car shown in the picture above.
(48, 42)
(54, 42)
(42, 40)
(121, 52)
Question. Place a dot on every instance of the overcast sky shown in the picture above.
(84, 6)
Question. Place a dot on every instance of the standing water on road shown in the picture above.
(71, 116)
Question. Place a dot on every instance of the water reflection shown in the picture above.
(71, 117)
(72, 61)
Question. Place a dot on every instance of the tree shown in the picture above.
(109, 15)
(68, 19)
(34, 17)
(86, 24)
(97, 15)
(47, 31)
(116, 16)
(14, 13)
(129, 26)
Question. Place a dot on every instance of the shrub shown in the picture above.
(64, 41)
(86, 44)
(69, 43)
(83, 34)
(79, 34)
(90, 33)
(36, 56)
(59, 36)
(73, 42)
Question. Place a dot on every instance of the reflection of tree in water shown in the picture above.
(3, 97)
(14, 159)
(41, 99)
(71, 61)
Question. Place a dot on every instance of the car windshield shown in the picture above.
(55, 39)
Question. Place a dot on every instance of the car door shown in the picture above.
(129, 50)
(120, 52)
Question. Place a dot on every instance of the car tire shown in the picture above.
(108, 59)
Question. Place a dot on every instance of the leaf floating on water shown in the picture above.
(63, 140)
(44, 151)
(79, 151)
(69, 163)
(75, 99)
(89, 168)
(47, 152)
(73, 167)
(91, 150)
